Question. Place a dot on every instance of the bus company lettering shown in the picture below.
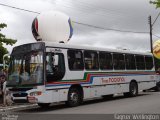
(113, 80)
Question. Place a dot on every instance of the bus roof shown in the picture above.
(83, 47)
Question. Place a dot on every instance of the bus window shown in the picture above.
(130, 62)
(75, 60)
(91, 60)
(14, 70)
(149, 62)
(54, 71)
(140, 63)
(32, 68)
(26, 68)
(105, 60)
(118, 61)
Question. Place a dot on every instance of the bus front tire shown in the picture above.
(133, 90)
(43, 105)
(74, 97)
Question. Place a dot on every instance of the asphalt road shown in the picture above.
(144, 103)
(117, 108)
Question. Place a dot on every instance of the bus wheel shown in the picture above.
(44, 105)
(74, 97)
(133, 90)
(157, 88)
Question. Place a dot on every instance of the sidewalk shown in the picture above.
(16, 106)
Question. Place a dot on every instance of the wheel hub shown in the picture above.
(74, 97)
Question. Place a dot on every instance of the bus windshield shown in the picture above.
(26, 69)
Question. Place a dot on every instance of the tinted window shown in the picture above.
(105, 60)
(75, 60)
(130, 62)
(149, 62)
(55, 66)
(91, 60)
(140, 62)
(26, 69)
(118, 61)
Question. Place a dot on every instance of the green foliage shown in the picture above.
(2, 25)
(2, 52)
(5, 40)
(156, 2)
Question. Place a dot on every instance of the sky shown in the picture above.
(125, 15)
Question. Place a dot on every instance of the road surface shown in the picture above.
(146, 105)
(145, 102)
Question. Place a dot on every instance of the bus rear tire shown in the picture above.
(133, 90)
(43, 105)
(74, 97)
(157, 89)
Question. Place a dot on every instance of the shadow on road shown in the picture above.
(63, 106)
(94, 101)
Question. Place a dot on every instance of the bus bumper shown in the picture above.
(19, 99)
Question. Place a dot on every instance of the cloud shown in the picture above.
(115, 40)
(121, 14)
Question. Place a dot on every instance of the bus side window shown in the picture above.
(140, 63)
(149, 62)
(105, 60)
(91, 60)
(130, 62)
(75, 60)
(118, 61)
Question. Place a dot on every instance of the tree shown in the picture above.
(156, 2)
(5, 40)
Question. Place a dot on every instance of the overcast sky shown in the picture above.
(131, 15)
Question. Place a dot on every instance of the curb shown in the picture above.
(2, 109)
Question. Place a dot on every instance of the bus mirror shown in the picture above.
(56, 59)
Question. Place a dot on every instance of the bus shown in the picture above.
(45, 73)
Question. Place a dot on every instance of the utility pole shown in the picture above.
(150, 26)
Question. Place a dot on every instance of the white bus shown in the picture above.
(45, 73)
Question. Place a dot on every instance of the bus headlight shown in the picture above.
(36, 93)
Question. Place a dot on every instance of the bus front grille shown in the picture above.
(20, 95)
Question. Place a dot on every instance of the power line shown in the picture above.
(83, 12)
(19, 8)
(156, 36)
(103, 13)
(85, 8)
(39, 12)
(88, 6)
(118, 30)
(84, 24)
(156, 19)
